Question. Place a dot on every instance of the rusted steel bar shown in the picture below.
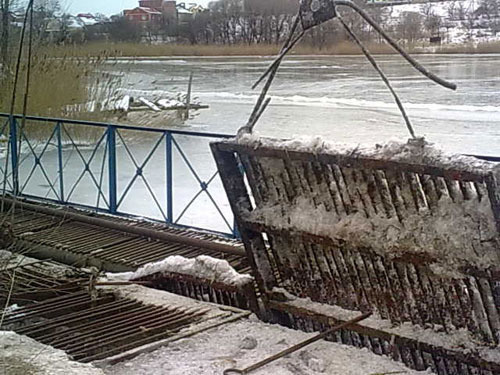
(145, 232)
(91, 313)
(297, 347)
(431, 354)
(394, 45)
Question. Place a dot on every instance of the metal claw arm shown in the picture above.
(393, 44)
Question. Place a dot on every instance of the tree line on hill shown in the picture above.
(228, 22)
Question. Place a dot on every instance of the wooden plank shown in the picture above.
(149, 104)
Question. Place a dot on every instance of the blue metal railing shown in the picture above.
(47, 161)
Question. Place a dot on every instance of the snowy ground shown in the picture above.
(246, 342)
(237, 344)
(457, 31)
(20, 355)
(243, 343)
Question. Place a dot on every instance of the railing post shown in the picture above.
(13, 156)
(60, 159)
(169, 172)
(112, 169)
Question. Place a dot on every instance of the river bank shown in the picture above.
(141, 50)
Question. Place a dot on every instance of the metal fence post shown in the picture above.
(170, 187)
(60, 160)
(112, 169)
(13, 156)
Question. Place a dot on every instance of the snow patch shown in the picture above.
(21, 354)
(413, 152)
(214, 351)
(204, 267)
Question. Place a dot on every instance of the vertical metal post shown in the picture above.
(188, 97)
(169, 172)
(112, 169)
(13, 156)
(60, 159)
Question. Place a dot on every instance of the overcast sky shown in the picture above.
(107, 7)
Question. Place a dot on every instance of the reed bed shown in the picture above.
(138, 50)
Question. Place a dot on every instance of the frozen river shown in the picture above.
(341, 98)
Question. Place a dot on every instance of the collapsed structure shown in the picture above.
(402, 230)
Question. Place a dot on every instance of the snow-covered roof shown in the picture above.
(183, 11)
(149, 10)
(87, 21)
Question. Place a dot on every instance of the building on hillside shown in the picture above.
(144, 17)
(162, 13)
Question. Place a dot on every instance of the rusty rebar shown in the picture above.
(297, 347)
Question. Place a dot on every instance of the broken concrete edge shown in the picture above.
(156, 345)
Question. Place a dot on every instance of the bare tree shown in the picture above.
(6, 7)
(409, 27)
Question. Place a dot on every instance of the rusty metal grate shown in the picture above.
(114, 247)
(91, 329)
(110, 249)
(36, 281)
(80, 243)
(25, 221)
(242, 297)
(400, 284)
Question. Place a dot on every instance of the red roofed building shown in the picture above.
(159, 14)
(144, 16)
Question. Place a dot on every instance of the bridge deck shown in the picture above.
(70, 240)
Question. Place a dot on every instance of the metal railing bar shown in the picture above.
(136, 165)
(63, 168)
(186, 160)
(6, 123)
(194, 199)
(38, 161)
(187, 206)
(87, 163)
(122, 127)
(84, 160)
(219, 210)
(5, 173)
(89, 157)
(154, 198)
(195, 174)
(101, 177)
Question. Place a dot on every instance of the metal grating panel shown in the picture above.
(91, 329)
(401, 285)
